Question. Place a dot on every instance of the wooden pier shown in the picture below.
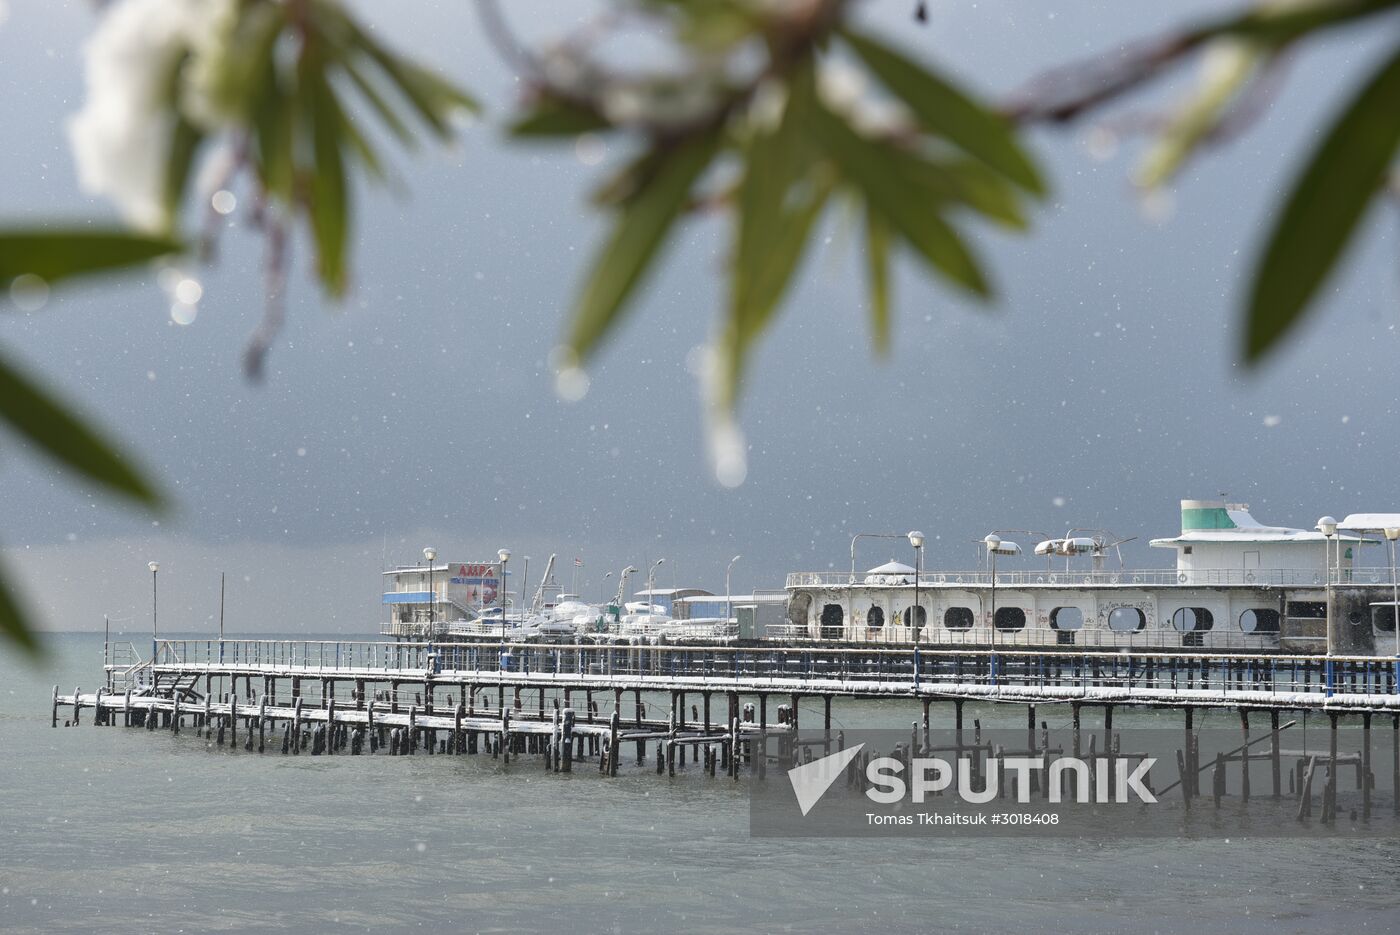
(588, 703)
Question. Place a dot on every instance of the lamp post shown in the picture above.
(430, 554)
(1392, 533)
(154, 567)
(1328, 527)
(993, 542)
(916, 539)
(504, 556)
(651, 582)
(728, 600)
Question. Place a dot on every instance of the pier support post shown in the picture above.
(53, 720)
(1366, 782)
(1274, 754)
(1329, 808)
(612, 738)
(1244, 756)
(567, 733)
(926, 722)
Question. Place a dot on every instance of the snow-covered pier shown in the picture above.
(575, 702)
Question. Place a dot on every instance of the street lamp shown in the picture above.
(430, 554)
(993, 542)
(154, 567)
(504, 556)
(728, 600)
(1392, 533)
(916, 539)
(997, 546)
(1328, 527)
(651, 581)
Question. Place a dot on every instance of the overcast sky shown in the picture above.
(1100, 389)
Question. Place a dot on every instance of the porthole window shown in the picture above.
(798, 606)
(957, 618)
(1127, 619)
(875, 617)
(1192, 620)
(1009, 619)
(1066, 618)
(1355, 617)
(1259, 620)
(917, 620)
(1383, 619)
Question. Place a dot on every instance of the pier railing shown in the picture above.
(1049, 577)
(1152, 677)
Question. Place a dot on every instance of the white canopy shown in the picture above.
(891, 568)
(1370, 522)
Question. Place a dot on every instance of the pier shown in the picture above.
(585, 703)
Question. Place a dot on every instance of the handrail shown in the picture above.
(1050, 578)
(345, 654)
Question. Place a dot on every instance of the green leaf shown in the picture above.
(945, 110)
(185, 138)
(876, 171)
(329, 207)
(431, 95)
(963, 182)
(780, 198)
(13, 623)
(877, 255)
(66, 438)
(552, 116)
(641, 228)
(387, 115)
(1324, 209)
(53, 255)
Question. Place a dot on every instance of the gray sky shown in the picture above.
(1099, 390)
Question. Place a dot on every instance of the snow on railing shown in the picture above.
(1156, 577)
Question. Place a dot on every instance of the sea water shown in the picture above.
(115, 830)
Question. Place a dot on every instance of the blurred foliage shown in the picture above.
(766, 113)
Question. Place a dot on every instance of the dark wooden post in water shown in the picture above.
(1329, 806)
(1274, 754)
(612, 738)
(53, 720)
(567, 733)
(1366, 764)
(1244, 756)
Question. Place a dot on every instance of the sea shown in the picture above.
(109, 830)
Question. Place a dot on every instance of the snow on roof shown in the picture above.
(1370, 522)
(891, 568)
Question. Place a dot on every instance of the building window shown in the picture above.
(1383, 619)
(833, 618)
(1259, 620)
(1127, 620)
(1066, 618)
(875, 617)
(1186, 550)
(1192, 619)
(1308, 610)
(1009, 619)
(958, 618)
